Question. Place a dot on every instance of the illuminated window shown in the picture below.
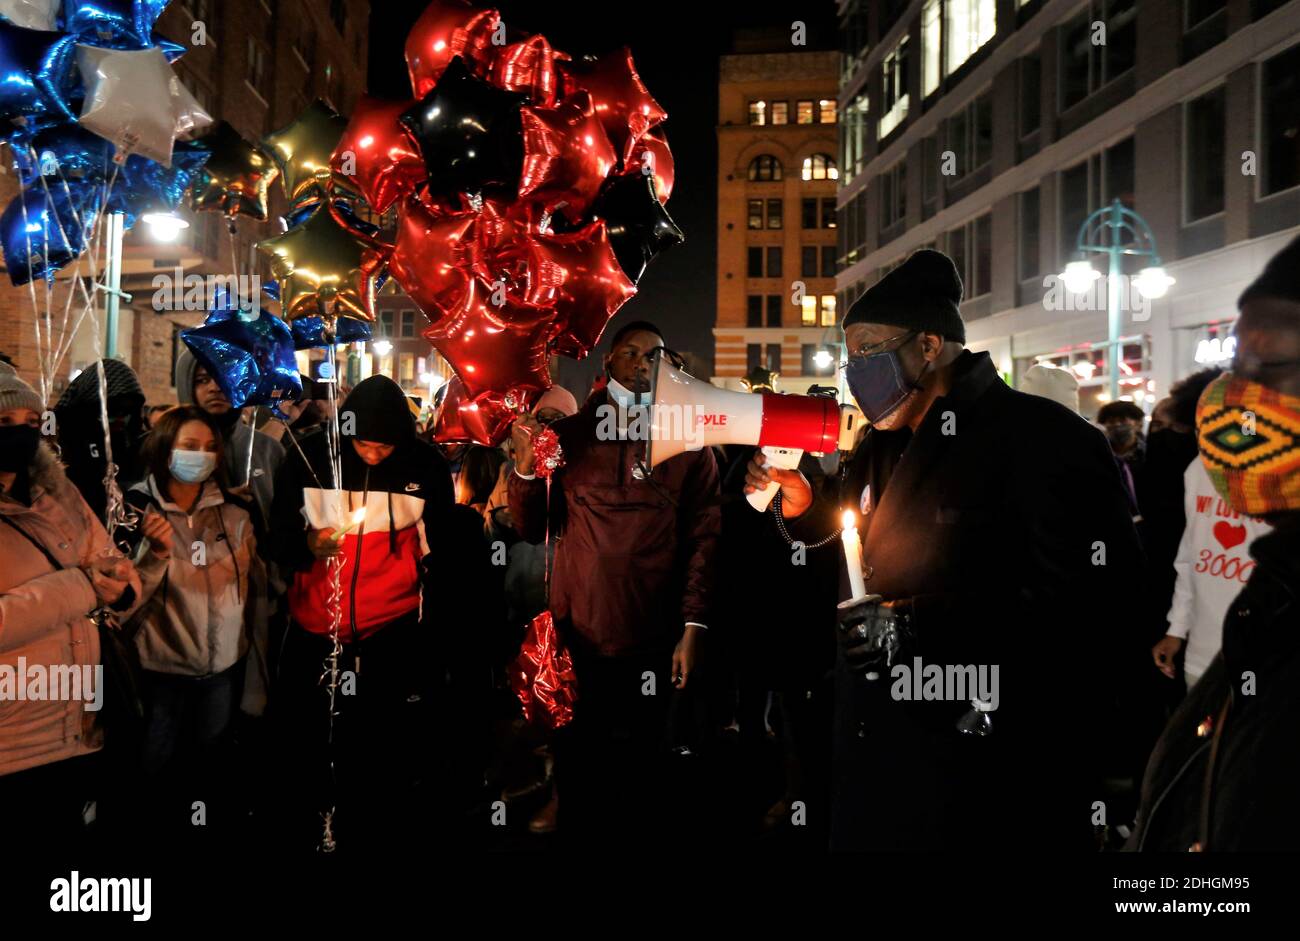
(894, 88)
(820, 167)
(826, 111)
(755, 214)
(804, 112)
(758, 112)
(780, 112)
(931, 61)
(828, 310)
(809, 310)
(969, 25)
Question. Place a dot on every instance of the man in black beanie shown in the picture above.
(968, 681)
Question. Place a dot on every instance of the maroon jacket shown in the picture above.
(633, 561)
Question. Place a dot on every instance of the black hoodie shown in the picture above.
(408, 500)
(81, 432)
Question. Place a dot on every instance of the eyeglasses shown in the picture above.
(871, 349)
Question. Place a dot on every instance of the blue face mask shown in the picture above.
(877, 384)
(192, 467)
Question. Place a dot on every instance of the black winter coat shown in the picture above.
(991, 522)
(1250, 804)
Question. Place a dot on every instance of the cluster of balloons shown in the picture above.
(95, 118)
(529, 190)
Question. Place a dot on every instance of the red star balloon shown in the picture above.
(446, 29)
(377, 154)
(529, 67)
(578, 274)
(651, 157)
(431, 258)
(567, 156)
(500, 254)
(495, 348)
(484, 419)
(621, 100)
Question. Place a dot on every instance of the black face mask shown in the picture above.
(1174, 447)
(1120, 435)
(18, 447)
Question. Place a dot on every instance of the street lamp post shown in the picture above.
(1115, 231)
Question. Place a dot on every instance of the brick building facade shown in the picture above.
(776, 214)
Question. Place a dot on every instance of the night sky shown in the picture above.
(676, 46)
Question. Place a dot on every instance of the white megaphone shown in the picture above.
(687, 414)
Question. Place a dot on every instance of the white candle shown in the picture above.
(853, 556)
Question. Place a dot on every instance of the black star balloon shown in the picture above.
(236, 177)
(469, 134)
(638, 224)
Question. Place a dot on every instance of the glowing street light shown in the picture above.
(164, 226)
(1078, 277)
(1153, 282)
(1115, 231)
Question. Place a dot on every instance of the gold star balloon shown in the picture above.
(324, 270)
(302, 148)
(236, 178)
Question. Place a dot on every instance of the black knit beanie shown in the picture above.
(923, 293)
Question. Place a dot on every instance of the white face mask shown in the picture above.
(192, 467)
(624, 397)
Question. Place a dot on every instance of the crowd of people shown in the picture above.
(1130, 586)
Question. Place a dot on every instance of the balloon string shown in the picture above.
(334, 600)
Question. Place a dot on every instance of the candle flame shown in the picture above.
(848, 520)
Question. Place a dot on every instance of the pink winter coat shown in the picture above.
(44, 618)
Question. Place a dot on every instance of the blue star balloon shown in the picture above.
(69, 152)
(33, 64)
(309, 332)
(250, 355)
(45, 228)
(110, 22)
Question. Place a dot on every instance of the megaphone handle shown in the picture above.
(784, 458)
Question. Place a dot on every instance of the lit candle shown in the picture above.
(853, 555)
(358, 517)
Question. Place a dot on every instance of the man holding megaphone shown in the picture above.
(630, 590)
(996, 542)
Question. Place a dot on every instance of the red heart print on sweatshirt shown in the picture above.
(1229, 535)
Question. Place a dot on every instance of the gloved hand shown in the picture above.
(873, 633)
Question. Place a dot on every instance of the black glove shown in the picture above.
(872, 634)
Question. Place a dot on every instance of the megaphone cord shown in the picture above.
(785, 533)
